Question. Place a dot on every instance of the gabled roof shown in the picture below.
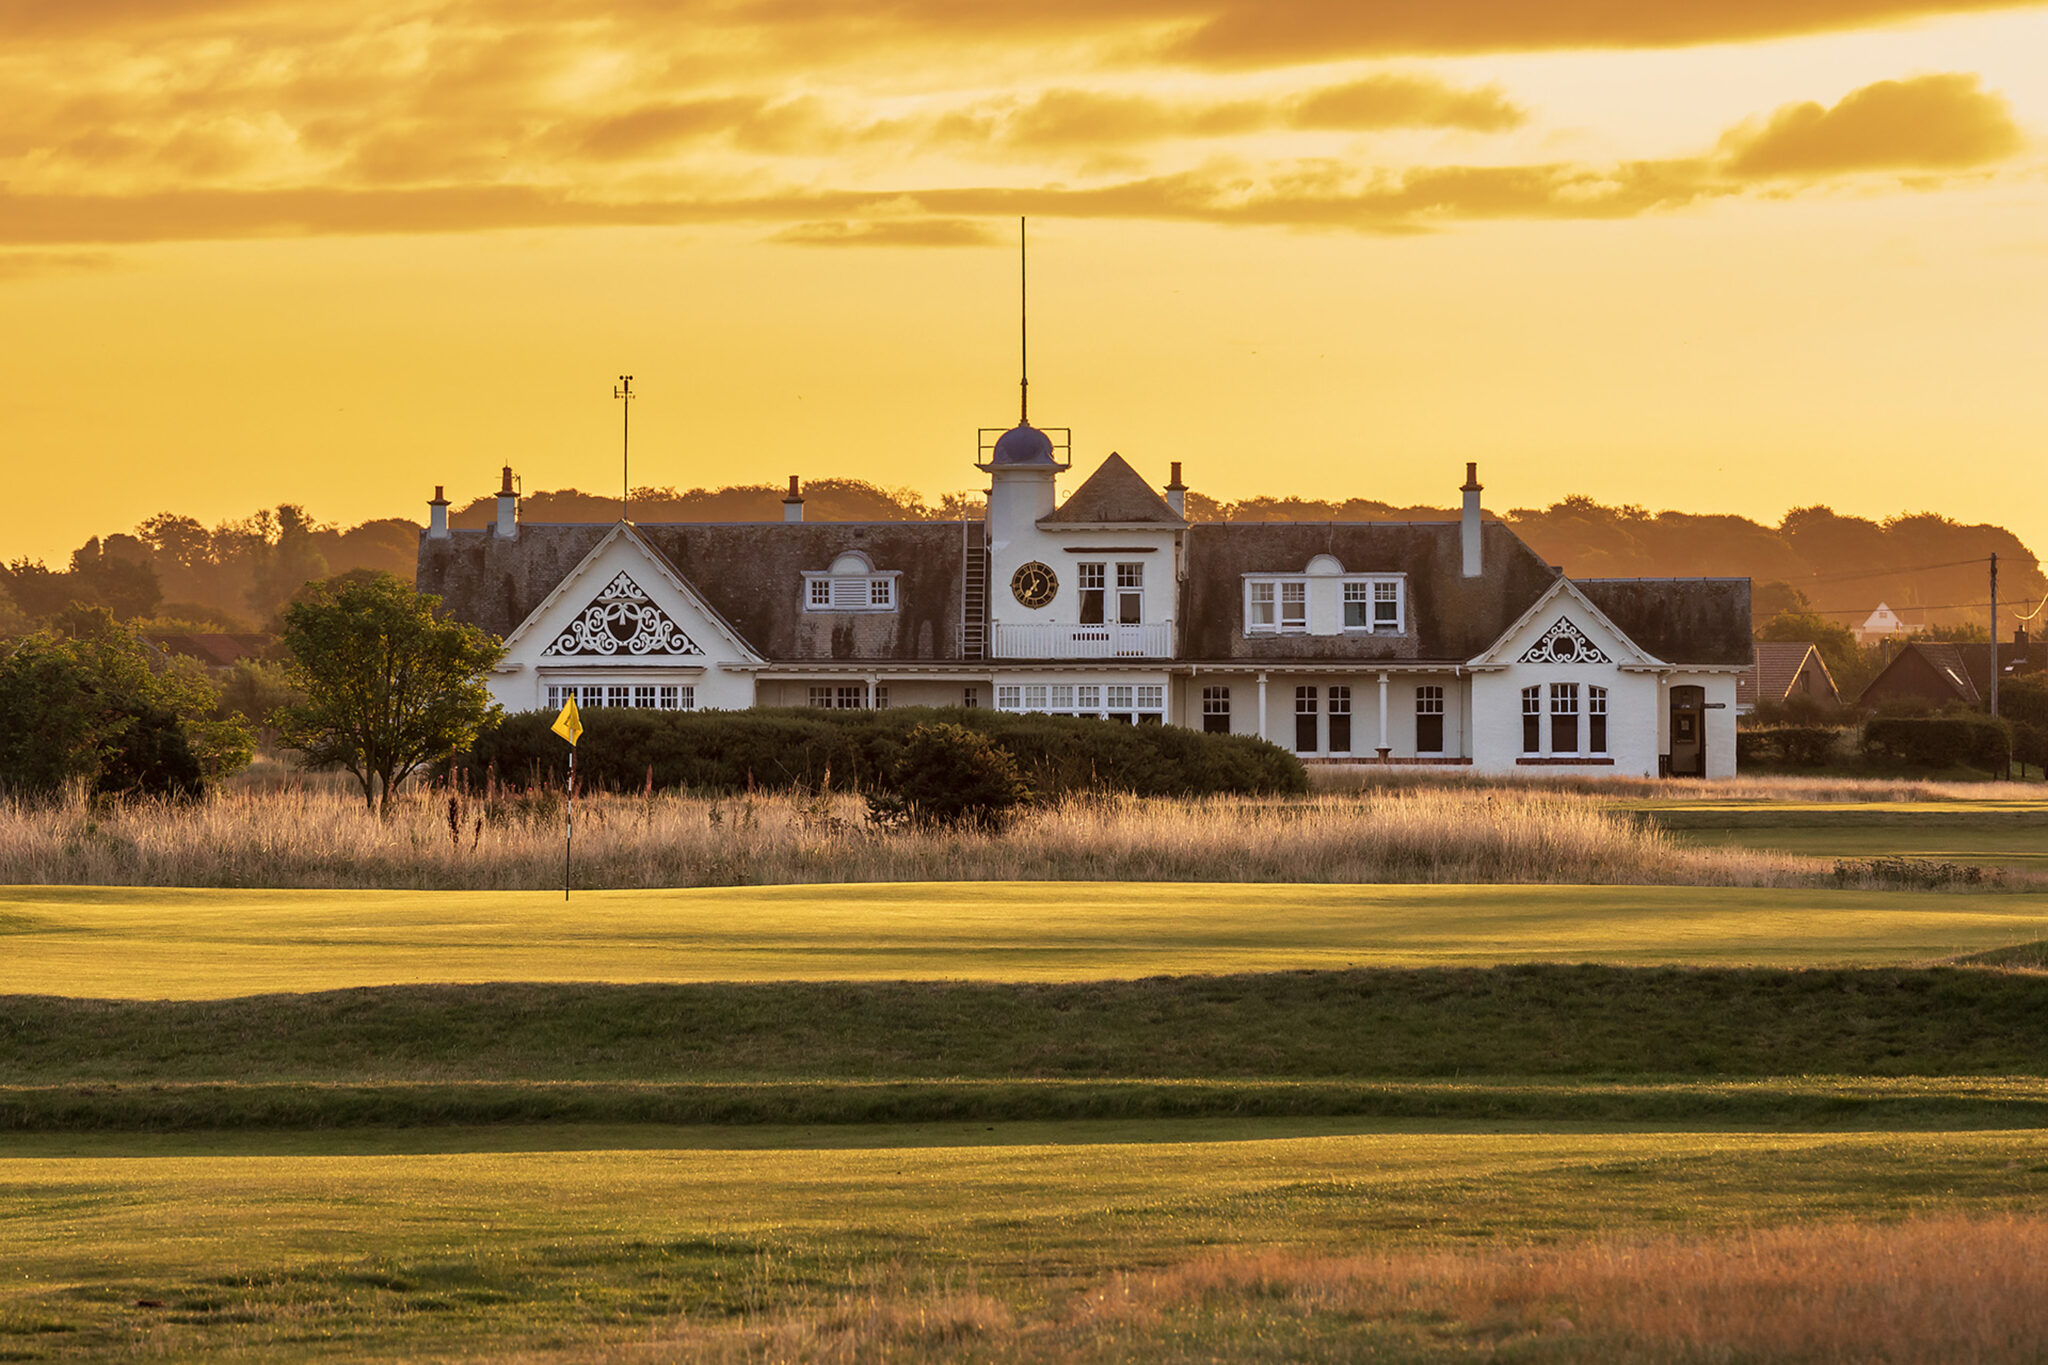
(1933, 669)
(1778, 665)
(579, 581)
(1543, 606)
(1114, 495)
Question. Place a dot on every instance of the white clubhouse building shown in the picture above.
(1423, 643)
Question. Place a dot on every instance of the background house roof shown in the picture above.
(1778, 666)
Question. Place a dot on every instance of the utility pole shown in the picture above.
(623, 391)
(1994, 635)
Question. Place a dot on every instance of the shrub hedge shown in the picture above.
(1787, 746)
(727, 751)
(1970, 741)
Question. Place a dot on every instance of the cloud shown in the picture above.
(1926, 125)
(1253, 33)
(21, 265)
(1937, 123)
(891, 232)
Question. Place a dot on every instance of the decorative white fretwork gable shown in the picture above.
(621, 620)
(1564, 643)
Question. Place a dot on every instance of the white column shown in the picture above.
(1385, 745)
(1262, 706)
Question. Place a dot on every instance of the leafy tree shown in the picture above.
(389, 686)
(950, 776)
(102, 710)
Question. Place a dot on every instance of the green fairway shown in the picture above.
(2014, 847)
(275, 1246)
(196, 944)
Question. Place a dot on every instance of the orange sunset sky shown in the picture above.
(1735, 255)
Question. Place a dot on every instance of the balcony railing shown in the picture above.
(1152, 640)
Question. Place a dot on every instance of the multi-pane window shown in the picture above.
(1564, 718)
(1062, 698)
(1304, 720)
(642, 696)
(1130, 594)
(970, 697)
(881, 696)
(1596, 719)
(1340, 720)
(851, 584)
(821, 696)
(1358, 606)
(1088, 697)
(1280, 605)
(1151, 697)
(843, 696)
(1386, 606)
(1532, 719)
(1120, 698)
(1262, 607)
(1144, 703)
(1216, 710)
(1009, 697)
(1091, 580)
(1429, 720)
(1034, 696)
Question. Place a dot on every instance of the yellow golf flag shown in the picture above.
(569, 725)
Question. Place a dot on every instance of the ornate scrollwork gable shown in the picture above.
(1564, 643)
(622, 620)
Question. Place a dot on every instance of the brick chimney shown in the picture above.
(437, 514)
(1468, 523)
(793, 502)
(508, 508)
(1177, 493)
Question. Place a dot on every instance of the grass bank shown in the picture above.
(191, 944)
(1524, 1021)
(1236, 1240)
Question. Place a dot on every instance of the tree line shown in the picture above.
(172, 572)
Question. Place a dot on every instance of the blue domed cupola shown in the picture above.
(1022, 447)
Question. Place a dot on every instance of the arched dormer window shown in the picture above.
(853, 583)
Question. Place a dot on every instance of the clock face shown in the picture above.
(1034, 584)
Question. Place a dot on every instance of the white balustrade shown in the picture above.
(1036, 640)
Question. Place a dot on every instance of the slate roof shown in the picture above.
(1933, 669)
(1778, 665)
(1114, 495)
(1450, 618)
(1701, 621)
(751, 573)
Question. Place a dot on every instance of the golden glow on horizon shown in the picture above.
(252, 251)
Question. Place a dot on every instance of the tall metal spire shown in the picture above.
(1023, 333)
(623, 391)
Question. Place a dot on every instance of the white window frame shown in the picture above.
(847, 593)
(632, 695)
(1277, 604)
(1139, 703)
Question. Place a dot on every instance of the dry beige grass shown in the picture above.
(1927, 1292)
(1365, 778)
(296, 837)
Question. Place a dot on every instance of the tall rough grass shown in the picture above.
(324, 838)
(1926, 1292)
(1365, 778)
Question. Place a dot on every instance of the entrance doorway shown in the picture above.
(1689, 731)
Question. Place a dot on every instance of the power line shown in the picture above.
(1888, 573)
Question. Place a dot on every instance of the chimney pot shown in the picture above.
(1177, 493)
(793, 503)
(508, 508)
(1470, 542)
(437, 514)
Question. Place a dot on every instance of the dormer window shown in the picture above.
(1283, 604)
(851, 584)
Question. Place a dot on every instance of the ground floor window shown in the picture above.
(1340, 720)
(1564, 718)
(1130, 703)
(1216, 710)
(1596, 719)
(970, 697)
(845, 696)
(1532, 720)
(1305, 720)
(1429, 720)
(640, 696)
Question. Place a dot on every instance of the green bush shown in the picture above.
(1951, 741)
(1787, 746)
(949, 776)
(729, 751)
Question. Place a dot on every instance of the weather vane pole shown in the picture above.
(1023, 334)
(623, 391)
